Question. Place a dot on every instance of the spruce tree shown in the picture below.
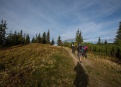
(99, 41)
(59, 41)
(9, 39)
(22, 38)
(105, 41)
(36, 40)
(33, 40)
(79, 38)
(39, 38)
(15, 38)
(118, 36)
(48, 37)
(44, 37)
(2, 32)
(27, 39)
(52, 42)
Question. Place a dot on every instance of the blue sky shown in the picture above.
(63, 17)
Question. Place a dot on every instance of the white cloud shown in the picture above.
(61, 17)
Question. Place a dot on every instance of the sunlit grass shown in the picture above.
(39, 65)
(35, 65)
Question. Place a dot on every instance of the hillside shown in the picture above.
(35, 65)
(40, 65)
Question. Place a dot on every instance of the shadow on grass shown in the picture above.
(81, 79)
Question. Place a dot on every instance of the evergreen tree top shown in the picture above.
(118, 36)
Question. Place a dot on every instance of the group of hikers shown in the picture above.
(82, 50)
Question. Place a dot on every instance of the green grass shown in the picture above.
(36, 65)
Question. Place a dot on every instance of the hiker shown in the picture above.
(79, 51)
(85, 51)
(73, 48)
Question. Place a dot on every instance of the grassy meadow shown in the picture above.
(36, 65)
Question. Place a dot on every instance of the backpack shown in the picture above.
(85, 48)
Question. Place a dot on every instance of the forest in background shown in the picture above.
(17, 38)
(20, 38)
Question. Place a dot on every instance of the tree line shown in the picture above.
(45, 38)
(18, 38)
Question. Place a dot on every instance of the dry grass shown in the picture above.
(97, 71)
(39, 65)
(35, 65)
(102, 71)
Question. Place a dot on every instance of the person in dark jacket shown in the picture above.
(79, 51)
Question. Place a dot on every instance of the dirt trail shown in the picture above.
(97, 71)
(85, 62)
(81, 78)
(72, 55)
(83, 74)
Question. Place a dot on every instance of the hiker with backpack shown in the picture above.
(85, 51)
(79, 49)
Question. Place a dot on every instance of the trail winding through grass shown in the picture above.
(101, 72)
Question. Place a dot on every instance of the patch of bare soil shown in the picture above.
(85, 62)
(81, 78)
